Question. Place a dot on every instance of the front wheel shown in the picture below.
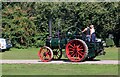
(45, 54)
(57, 54)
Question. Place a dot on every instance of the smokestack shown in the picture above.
(50, 27)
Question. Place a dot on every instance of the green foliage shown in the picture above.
(109, 42)
(39, 43)
(26, 24)
(18, 26)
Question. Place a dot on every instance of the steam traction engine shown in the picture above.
(74, 42)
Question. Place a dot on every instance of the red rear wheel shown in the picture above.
(45, 53)
(76, 50)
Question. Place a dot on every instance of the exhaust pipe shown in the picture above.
(50, 27)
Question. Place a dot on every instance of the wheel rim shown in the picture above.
(45, 54)
(57, 54)
(76, 50)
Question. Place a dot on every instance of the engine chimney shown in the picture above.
(50, 27)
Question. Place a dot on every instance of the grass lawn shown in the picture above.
(111, 54)
(56, 69)
(31, 53)
(59, 69)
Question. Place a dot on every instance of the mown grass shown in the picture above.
(112, 53)
(59, 69)
(56, 69)
(31, 53)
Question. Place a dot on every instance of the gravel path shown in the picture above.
(58, 62)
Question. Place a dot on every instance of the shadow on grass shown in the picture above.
(67, 60)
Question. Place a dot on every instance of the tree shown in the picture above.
(25, 23)
(17, 24)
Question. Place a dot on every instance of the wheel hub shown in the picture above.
(55, 53)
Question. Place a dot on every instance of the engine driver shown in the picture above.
(90, 33)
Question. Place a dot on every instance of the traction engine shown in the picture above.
(74, 42)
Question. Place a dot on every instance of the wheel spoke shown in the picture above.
(76, 50)
(72, 54)
(71, 46)
(80, 54)
(71, 49)
(74, 45)
(79, 49)
(76, 55)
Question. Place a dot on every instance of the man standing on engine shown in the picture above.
(90, 33)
